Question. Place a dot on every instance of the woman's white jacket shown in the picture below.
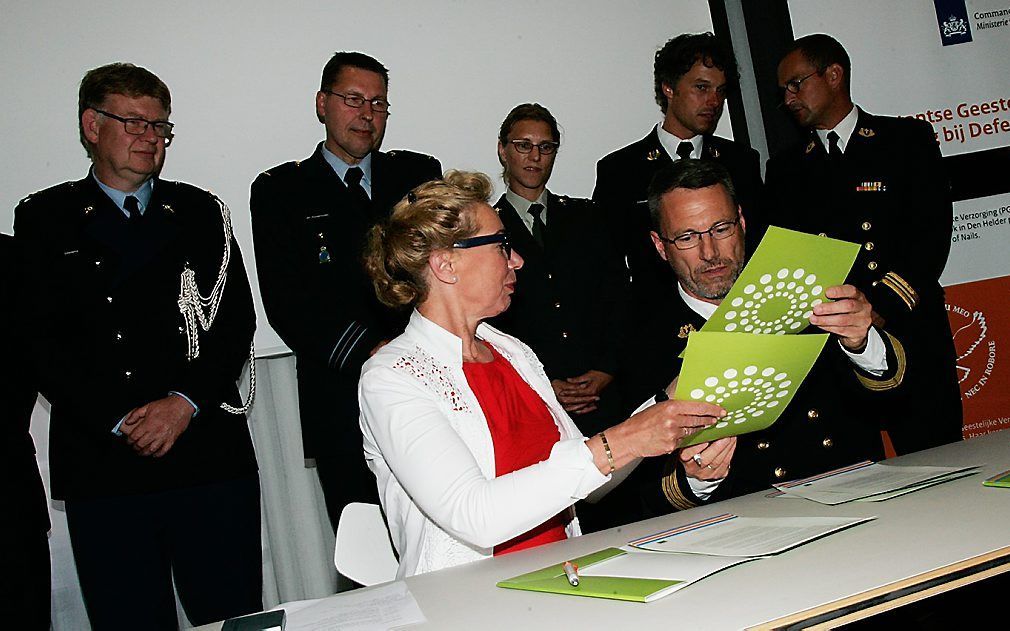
(428, 444)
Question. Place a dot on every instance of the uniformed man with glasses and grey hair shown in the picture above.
(309, 219)
(139, 320)
(699, 230)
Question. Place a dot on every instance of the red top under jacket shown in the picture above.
(522, 431)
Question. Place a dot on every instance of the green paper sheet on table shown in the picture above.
(754, 377)
(782, 282)
(552, 580)
(625, 574)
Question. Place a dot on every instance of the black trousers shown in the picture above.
(345, 479)
(25, 579)
(128, 550)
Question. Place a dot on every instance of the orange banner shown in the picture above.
(979, 315)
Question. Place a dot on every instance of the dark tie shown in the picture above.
(539, 227)
(132, 206)
(834, 151)
(684, 149)
(354, 187)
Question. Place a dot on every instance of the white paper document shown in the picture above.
(867, 479)
(915, 487)
(681, 569)
(373, 609)
(732, 536)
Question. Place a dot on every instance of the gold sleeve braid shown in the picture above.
(671, 487)
(879, 385)
(900, 286)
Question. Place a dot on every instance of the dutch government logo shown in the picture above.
(952, 19)
(750, 390)
(777, 305)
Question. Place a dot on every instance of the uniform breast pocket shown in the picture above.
(77, 266)
(317, 242)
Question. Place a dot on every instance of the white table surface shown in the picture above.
(914, 534)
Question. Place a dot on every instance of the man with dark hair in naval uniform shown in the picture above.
(139, 320)
(877, 181)
(698, 230)
(310, 220)
(692, 74)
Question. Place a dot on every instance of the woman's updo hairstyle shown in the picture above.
(431, 217)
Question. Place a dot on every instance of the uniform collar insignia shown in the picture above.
(866, 132)
(810, 147)
(168, 209)
(88, 210)
(685, 330)
(652, 155)
(712, 151)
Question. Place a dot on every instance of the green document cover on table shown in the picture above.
(999, 480)
(782, 283)
(625, 574)
(754, 377)
(552, 579)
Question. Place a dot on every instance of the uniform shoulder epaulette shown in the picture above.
(281, 169)
(566, 199)
(405, 154)
(53, 192)
(185, 188)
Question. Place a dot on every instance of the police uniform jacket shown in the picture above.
(106, 333)
(570, 299)
(889, 194)
(309, 233)
(622, 190)
(20, 482)
(825, 426)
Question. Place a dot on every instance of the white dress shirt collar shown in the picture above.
(671, 142)
(522, 206)
(844, 129)
(702, 308)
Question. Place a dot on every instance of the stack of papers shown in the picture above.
(729, 535)
(654, 566)
(870, 482)
(369, 609)
(624, 574)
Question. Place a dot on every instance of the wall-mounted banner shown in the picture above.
(979, 315)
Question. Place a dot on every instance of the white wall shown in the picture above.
(243, 76)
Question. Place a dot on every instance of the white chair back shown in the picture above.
(363, 552)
